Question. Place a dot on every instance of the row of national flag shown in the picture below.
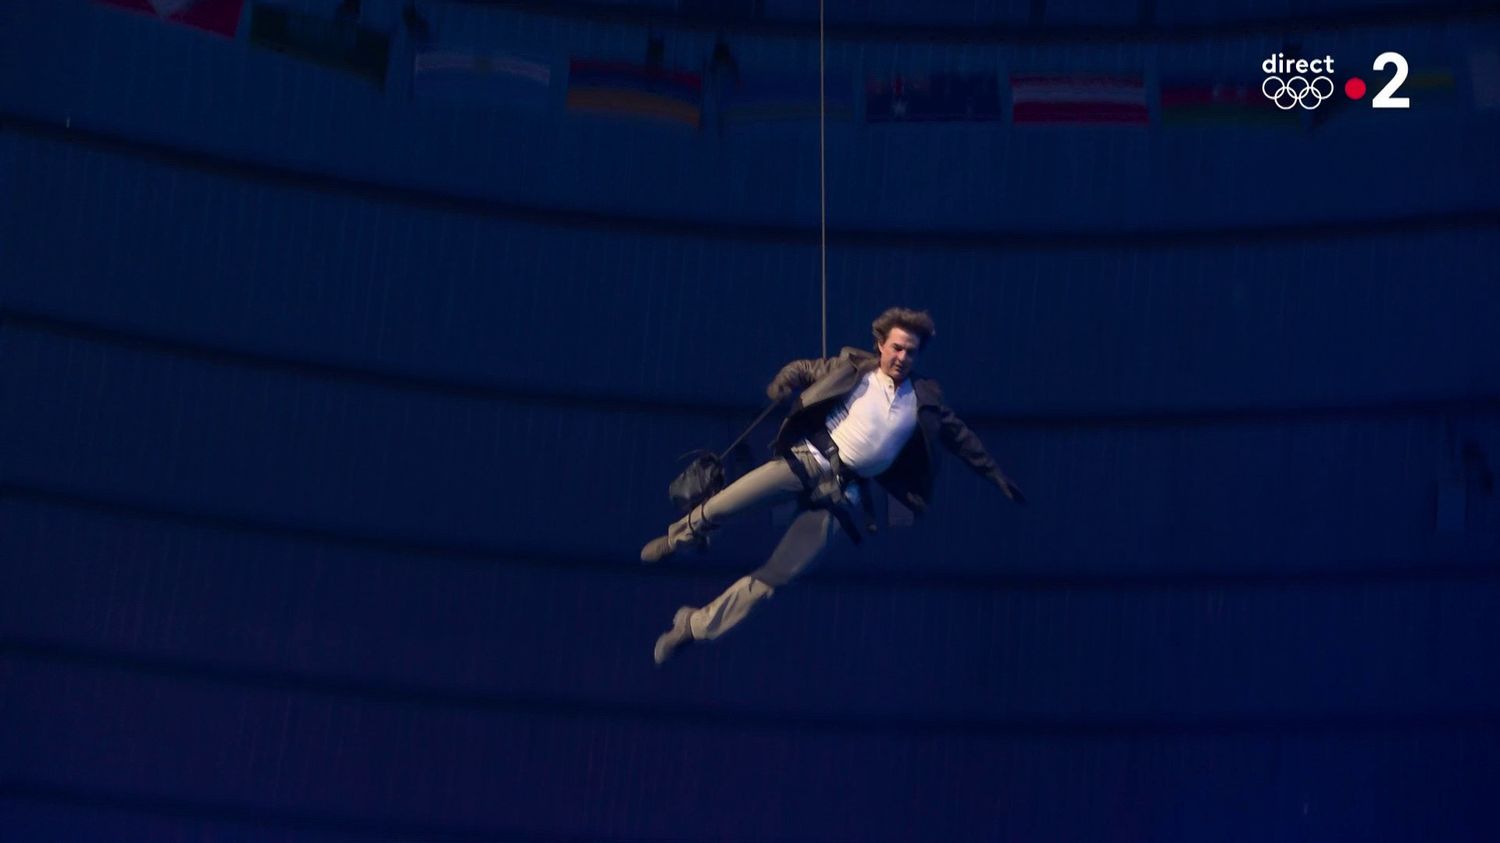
(334, 42)
(507, 78)
(623, 88)
(501, 77)
(1034, 100)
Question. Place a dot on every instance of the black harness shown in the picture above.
(829, 494)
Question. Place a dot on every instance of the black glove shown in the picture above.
(1010, 489)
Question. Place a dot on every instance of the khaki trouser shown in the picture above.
(801, 545)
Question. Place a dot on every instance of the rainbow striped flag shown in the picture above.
(488, 76)
(635, 90)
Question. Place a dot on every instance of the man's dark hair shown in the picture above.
(915, 322)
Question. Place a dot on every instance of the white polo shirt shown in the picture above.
(873, 424)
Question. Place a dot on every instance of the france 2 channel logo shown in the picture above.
(1304, 83)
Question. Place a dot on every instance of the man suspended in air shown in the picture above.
(859, 417)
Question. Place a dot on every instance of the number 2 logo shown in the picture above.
(1384, 99)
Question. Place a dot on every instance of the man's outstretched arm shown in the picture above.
(964, 443)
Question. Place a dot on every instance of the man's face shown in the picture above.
(898, 354)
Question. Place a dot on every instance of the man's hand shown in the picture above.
(797, 375)
(1010, 489)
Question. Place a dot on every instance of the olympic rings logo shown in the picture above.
(1296, 90)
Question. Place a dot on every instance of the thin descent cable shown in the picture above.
(822, 181)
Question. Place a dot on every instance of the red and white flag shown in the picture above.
(1041, 100)
(221, 17)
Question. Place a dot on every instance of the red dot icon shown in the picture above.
(1355, 88)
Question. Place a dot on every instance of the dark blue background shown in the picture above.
(334, 421)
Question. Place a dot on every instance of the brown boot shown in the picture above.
(681, 633)
(692, 529)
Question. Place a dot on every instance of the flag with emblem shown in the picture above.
(933, 98)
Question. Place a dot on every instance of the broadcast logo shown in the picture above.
(1291, 83)
(1306, 83)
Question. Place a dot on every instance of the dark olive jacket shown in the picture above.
(826, 383)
